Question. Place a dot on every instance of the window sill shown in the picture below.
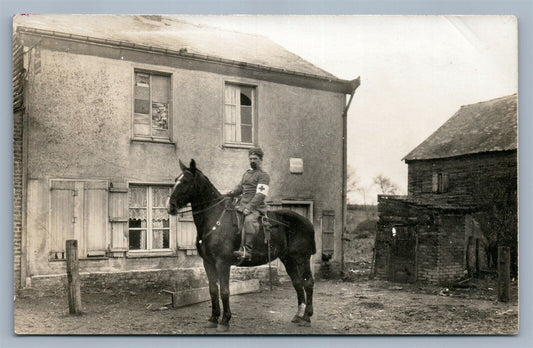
(149, 253)
(152, 140)
(238, 146)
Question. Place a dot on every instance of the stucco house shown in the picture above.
(106, 105)
(461, 202)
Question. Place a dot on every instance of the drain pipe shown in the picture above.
(355, 83)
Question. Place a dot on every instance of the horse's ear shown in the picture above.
(182, 166)
(192, 166)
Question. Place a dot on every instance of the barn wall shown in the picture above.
(80, 115)
(465, 174)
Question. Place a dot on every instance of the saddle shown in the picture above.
(238, 221)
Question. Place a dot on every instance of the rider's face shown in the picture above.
(255, 161)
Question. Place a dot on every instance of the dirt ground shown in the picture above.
(356, 307)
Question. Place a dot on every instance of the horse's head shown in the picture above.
(184, 188)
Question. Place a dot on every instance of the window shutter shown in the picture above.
(95, 207)
(118, 217)
(328, 232)
(186, 231)
(61, 217)
(445, 182)
(435, 183)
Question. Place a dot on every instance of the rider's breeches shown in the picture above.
(251, 227)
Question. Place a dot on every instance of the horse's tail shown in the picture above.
(299, 230)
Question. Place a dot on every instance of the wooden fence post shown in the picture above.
(504, 273)
(73, 277)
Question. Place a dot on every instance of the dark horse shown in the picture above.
(291, 240)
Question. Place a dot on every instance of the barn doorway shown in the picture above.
(402, 255)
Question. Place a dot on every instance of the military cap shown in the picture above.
(256, 151)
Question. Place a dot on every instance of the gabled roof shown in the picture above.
(482, 127)
(168, 32)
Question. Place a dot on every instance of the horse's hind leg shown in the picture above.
(291, 266)
(308, 283)
(211, 271)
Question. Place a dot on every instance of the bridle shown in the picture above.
(217, 200)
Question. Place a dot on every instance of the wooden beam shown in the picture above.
(189, 297)
(504, 274)
(73, 277)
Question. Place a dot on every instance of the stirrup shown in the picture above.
(243, 254)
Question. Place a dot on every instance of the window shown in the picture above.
(239, 115)
(440, 182)
(149, 222)
(152, 99)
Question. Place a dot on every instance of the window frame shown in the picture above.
(238, 124)
(160, 72)
(171, 250)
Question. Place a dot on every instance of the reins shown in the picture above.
(221, 199)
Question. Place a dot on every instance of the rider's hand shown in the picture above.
(246, 211)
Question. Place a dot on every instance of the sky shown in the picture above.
(416, 72)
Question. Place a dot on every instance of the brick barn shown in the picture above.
(461, 202)
(106, 105)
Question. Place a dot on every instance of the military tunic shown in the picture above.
(253, 189)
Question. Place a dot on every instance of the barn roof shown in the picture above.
(487, 126)
(168, 32)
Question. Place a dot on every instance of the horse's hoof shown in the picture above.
(211, 325)
(296, 319)
(304, 322)
(222, 328)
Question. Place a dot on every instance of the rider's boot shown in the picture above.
(245, 251)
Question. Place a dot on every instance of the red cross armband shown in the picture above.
(262, 188)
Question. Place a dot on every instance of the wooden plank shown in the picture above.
(188, 297)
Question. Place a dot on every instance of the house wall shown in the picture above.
(465, 174)
(80, 114)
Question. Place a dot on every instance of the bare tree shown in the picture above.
(385, 185)
(496, 203)
(353, 181)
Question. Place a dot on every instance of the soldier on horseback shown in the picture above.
(251, 191)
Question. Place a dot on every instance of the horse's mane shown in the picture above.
(209, 182)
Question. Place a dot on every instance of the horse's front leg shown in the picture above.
(212, 276)
(223, 270)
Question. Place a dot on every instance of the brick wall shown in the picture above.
(17, 197)
(428, 255)
(440, 246)
(452, 247)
